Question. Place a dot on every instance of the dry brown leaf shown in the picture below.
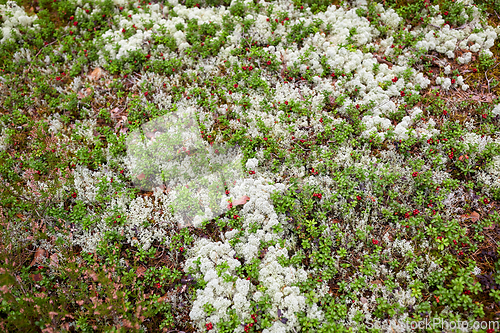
(241, 201)
(116, 113)
(149, 135)
(96, 74)
(140, 271)
(163, 298)
(36, 277)
(141, 176)
(54, 260)
(39, 255)
(474, 216)
(120, 124)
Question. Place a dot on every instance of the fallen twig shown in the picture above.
(383, 61)
(486, 76)
(39, 53)
(496, 14)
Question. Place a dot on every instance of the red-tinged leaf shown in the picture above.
(52, 314)
(141, 176)
(94, 276)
